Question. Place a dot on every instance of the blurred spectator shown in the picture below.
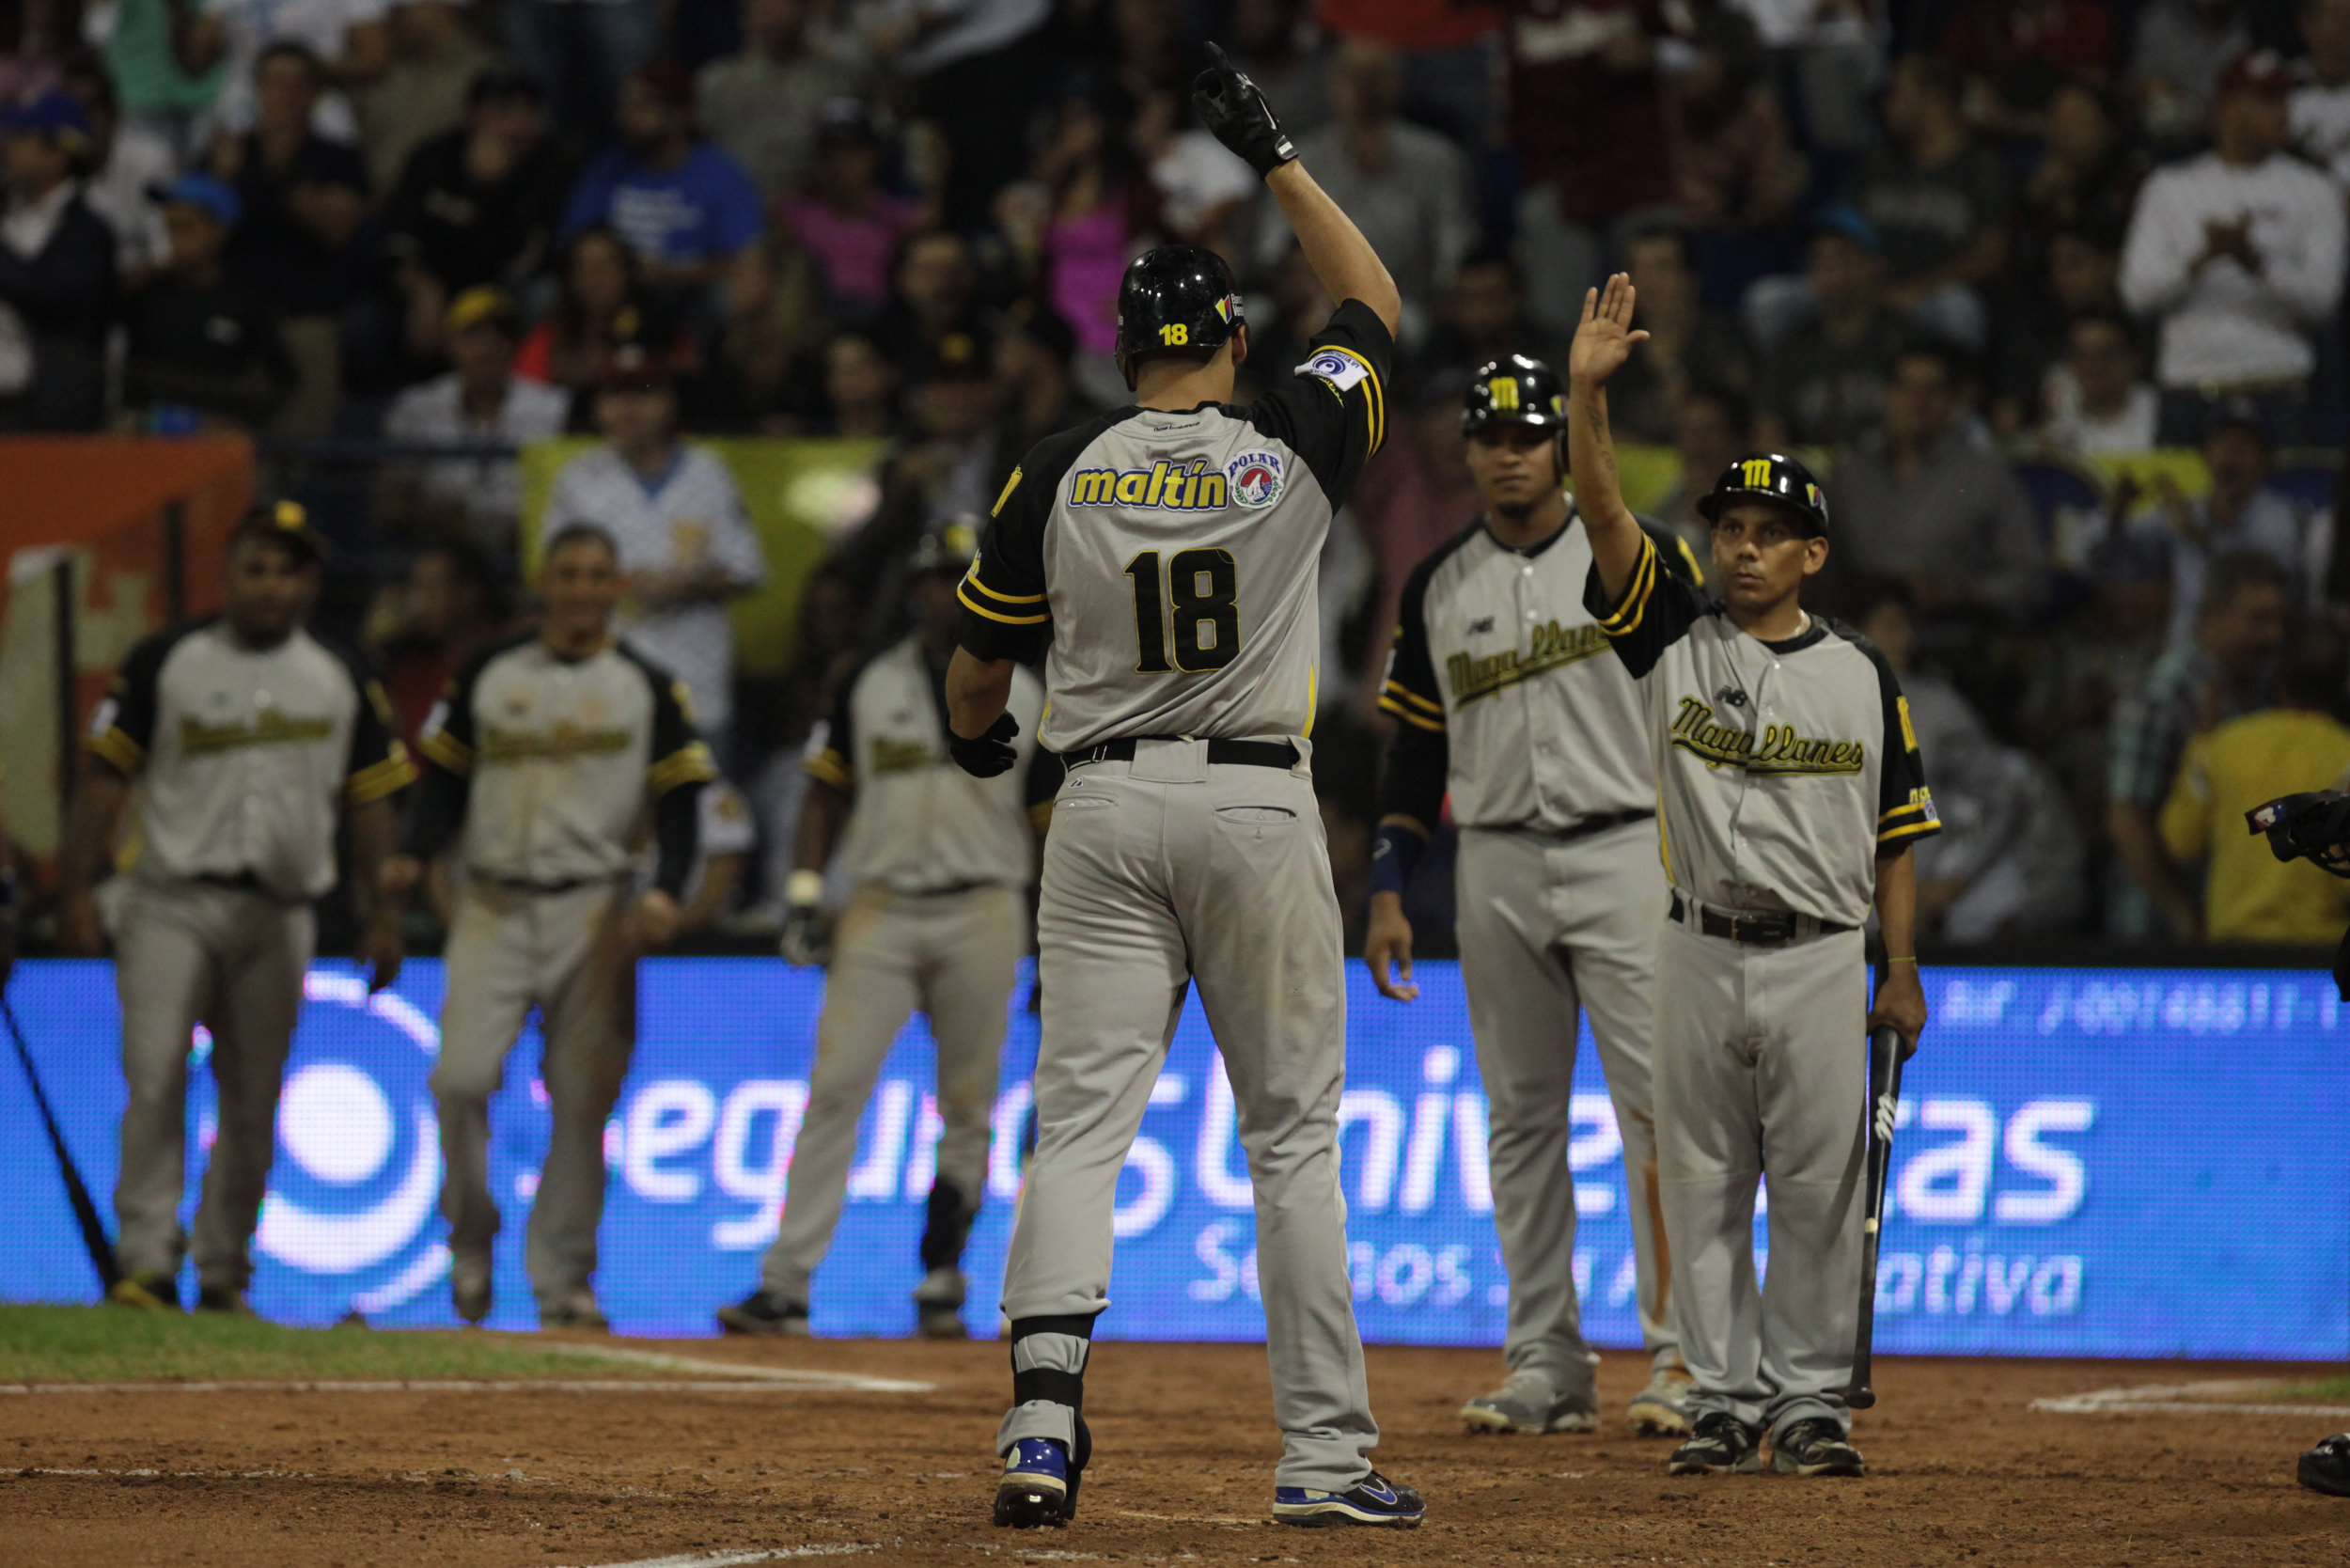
(582, 51)
(2088, 176)
(1033, 347)
(347, 40)
(844, 219)
(1922, 503)
(1276, 42)
(1415, 495)
(301, 245)
(1830, 58)
(951, 469)
(2181, 48)
(2240, 514)
(764, 105)
(2319, 109)
(685, 208)
(422, 630)
(978, 69)
(2036, 316)
(2300, 744)
(1483, 316)
(56, 271)
(127, 161)
(142, 52)
(1686, 339)
(1734, 161)
(2083, 664)
(1588, 119)
(686, 545)
(2240, 253)
(1823, 382)
(2008, 861)
(600, 307)
(2016, 51)
(1939, 200)
(2220, 674)
(480, 403)
(426, 90)
(1104, 213)
(1447, 63)
(1407, 188)
(2098, 399)
(934, 288)
(477, 205)
(859, 390)
(1203, 188)
(200, 338)
(1713, 428)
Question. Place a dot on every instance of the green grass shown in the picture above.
(2315, 1393)
(114, 1344)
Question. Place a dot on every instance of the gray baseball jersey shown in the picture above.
(1498, 658)
(557, 759)
(246, 756)
(1169, 559)
(1785, 768)
(921, 824)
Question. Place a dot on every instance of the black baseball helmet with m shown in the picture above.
(1176, 300)
(1517, 389)
(1769, 476)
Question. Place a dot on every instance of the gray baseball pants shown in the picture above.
(1159, 873)
(509, 949)
(231, 959)
(1760, 1064)
(953, 956)
(1548, 925)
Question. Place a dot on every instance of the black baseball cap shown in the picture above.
(285, 523)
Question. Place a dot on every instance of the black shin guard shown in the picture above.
(947, 1226)
(1057, 1388)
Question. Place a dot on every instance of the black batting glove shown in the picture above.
(1235, 110)
(991, 754)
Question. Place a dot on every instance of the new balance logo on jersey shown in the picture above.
(1730, 696)
(1163, 484)
(1481, 626)
(1553, 648)
(1781, 749)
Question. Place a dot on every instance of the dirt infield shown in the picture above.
(1965, 1472)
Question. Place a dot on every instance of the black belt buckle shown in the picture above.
(1756, 931)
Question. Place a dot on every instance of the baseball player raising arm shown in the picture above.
(1792, 790)
(1539, 736)
(248, 738)
(1165, 557)
(541, 760)
(941, 862)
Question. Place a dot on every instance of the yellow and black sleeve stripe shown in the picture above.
(1911, 819)
(118, 748)
(445, 750)
(1412, 708)
(690, 763)
(396, 772)
(1013, 609)
(1626, 618)
(830, 767)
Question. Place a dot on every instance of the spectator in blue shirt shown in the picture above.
(687, 210)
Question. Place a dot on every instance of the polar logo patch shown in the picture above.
(1255, 478)
(1341, 369)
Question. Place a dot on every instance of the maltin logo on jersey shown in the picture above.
(1256, 478)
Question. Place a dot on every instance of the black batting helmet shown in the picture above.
(1769, 476)
(1175, 297)
(1513, 387)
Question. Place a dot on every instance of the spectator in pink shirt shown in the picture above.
(846, 221)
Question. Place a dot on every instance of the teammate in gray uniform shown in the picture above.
(1792, 790)
(1539, 737)
(542, 760)
(941, 862)
(250, 742)
(1166, 555)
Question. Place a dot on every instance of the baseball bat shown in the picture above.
(101, 1252)
(1885, 1098)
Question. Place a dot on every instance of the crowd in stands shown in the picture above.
(1974, 255)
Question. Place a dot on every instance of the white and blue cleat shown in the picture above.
(1374, 1500)
(1035, 1488)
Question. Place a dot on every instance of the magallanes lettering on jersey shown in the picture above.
(1174, 485)
(900, 755)
(1554, 647)
(501, 745)
(1781, 749)
(269, 726)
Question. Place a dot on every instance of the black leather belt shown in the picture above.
(1754, 929)
(517, 884)
(243, 882)
(1247, 754)
(1601, 824)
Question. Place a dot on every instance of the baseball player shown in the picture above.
(1540, 739)
(1164, 557)
(541, 763)
(250, 742)
(941, 863)
(1792, 790)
